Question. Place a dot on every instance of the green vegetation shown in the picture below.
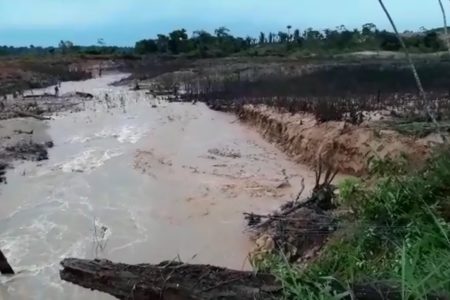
(339, 40)
(221, 43)
(416, 128)
(397, 236)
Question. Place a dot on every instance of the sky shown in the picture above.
(123, 22)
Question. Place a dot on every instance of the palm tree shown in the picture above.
(289, 31)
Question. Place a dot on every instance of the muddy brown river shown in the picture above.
(134, 179)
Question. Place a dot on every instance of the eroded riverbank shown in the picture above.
(134, 179)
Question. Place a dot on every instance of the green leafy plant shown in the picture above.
(398, 235)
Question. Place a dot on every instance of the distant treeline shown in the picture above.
(65, 47)
(223, 43)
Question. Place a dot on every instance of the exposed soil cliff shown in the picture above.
(345, 146)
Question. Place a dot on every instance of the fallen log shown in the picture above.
(298, 229)
(84, 95)
(45, 95)
(5, 268)
(179, 281)
(168, 281)
(28, 114)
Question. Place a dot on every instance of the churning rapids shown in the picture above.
(135, 179)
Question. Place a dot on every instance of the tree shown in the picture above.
(312, 35)
(177, 39)
(162, 43)
(368, 29)
(271, 38)
(389, 41)
(262, 38)
(146, 47)
(296, 35)
(222, 32)
(283, 37)
(432, 41)
(289, 31)
(65, 46)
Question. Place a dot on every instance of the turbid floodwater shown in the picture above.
(135, 179)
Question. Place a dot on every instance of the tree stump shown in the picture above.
(5, 268)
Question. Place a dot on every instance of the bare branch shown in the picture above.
(301, 191)
(444, 17)
(318, 171)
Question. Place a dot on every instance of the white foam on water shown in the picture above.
(125, 134)
(16, 247)
(78, 249)
(131, 134)
(88, 160)
(78, 140)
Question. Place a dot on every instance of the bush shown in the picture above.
(398, 236)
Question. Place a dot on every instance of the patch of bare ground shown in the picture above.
(349, 147)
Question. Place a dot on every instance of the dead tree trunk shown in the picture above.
(178, 281)
(5, 268)
(168, 281)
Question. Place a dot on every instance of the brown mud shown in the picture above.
(20, 74)
(39, 106)
(347, 147)
(22, 140)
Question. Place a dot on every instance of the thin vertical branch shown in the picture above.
(444, 16)
(413, 69)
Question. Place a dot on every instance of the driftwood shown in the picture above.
(84, 95)
(45, 95)
(168, 281)
(19, 131)
(178, 281)
(5, 268)
(28, 114)
(297, 229)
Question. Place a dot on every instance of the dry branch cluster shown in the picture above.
(336, 93)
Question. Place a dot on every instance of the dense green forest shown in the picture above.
(340, 39)
(222, 43)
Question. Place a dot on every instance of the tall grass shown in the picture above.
(398, 234)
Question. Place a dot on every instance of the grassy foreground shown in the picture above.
(397, 234)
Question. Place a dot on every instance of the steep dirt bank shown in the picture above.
(347, 147)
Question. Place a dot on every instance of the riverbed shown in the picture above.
(135, 179)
